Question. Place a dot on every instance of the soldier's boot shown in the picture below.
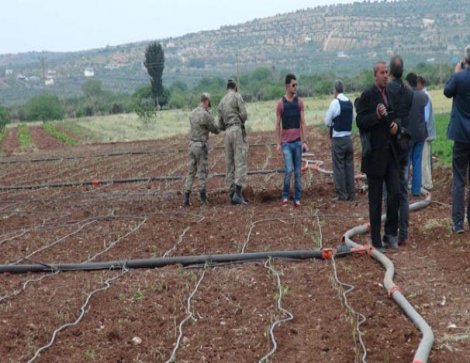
(238, 196)
(186, 202)
(203, 196)
(231, 193)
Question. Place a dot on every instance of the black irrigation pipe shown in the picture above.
(201, 260)
(125, 153)
(97, 182)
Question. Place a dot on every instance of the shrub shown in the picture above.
(44, 107)
(4, 118)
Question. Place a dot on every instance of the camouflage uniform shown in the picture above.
(232, 117)
(201, 122)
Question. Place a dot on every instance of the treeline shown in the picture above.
(258, 85)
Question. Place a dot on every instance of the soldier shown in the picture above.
(201, 122)
(232, 117)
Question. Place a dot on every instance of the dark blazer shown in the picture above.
(458, 88)
(401, 98)
(374, 164)
(417, 123)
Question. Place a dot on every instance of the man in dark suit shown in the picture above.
(380, 163)
(458, 88)
(401, 99)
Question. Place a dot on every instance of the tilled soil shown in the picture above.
(265, 310)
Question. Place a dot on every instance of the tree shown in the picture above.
(155, 62)
(93, 91)
(4, 118)
(44, 107)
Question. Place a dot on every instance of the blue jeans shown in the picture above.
(292, 161)
(416, 157)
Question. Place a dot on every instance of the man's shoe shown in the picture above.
(186, 202)
(203, 196)
(390, 242)
(296, 203)
(237, 197)
(403, 242)
(284, 202)
(458, 228)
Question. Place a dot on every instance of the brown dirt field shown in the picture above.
(215, 313)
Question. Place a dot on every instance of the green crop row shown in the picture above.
(53, 131)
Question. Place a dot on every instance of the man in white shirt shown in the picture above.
(339, 119)
(431, 126)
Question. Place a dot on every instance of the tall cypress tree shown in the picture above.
(155, 62)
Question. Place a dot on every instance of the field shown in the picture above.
(121, 201)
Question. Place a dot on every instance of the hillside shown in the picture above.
(341, 38)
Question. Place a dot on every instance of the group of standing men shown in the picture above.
(396, 124)
(232, 117)
(290, 136)
(383, 118)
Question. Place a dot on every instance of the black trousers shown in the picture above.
(392, 184)
(460, 174)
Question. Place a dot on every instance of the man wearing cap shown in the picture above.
(201, 123)
(232, 117)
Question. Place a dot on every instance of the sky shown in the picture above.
(72, 25)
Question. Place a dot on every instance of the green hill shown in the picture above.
(341, 38)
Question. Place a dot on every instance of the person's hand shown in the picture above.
(381, 110)
(393, 128)
(458, 67)
(304, 147)
(278, 148)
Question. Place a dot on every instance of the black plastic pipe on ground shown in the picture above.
(123, 153)
(96, 182)
(182, 260)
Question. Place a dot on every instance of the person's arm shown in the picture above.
(302, 127)
(242, 109)
(427, 109)
(450, 88)
(221, 118)
(366, 111)
(278, 126)
(332, 112)
(210, 122)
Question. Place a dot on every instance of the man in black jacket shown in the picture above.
(380, 164)
(401, 98)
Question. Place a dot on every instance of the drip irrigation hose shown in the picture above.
(156, 152)
(189, 315)
(97, 182)
(83, 311)
(182, 260)
(287, 315)
(424, 348)
(315, 165)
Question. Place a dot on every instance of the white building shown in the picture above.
(89, 72)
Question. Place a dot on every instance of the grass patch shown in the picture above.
(3, 133)
(168, 123)
(53, 131)
(77, 132)
(24, 138)
(442, 146)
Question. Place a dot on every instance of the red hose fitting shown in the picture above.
(393, 290)
(363, 249)
(95, 182)
(327, 253)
